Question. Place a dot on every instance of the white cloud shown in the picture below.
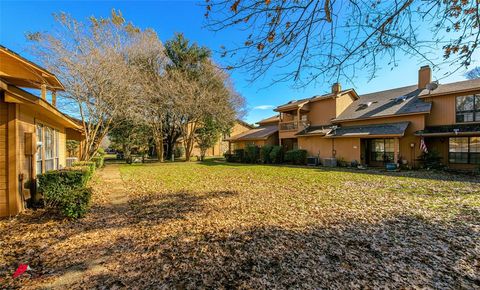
(263, 107)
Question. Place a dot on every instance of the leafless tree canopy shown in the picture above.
(314, 40)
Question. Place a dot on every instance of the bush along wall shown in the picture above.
(90, 164)
(276, 154)
(252, 154)
(265, 154)
(99, 161)
(65, 190)
(296, 156)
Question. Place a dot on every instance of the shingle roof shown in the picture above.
(386, 103)
(271, 119)
(450, 129)
(315, 130)
(259, 133)
(443, 89)
(314, 98)
(397, 129)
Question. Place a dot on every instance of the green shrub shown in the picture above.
(74, 203)
(229, 157)
(239, 155)
(296, 156)
(101, 151)
(65, 190)
(265, 154)
(178, 151)
(276, 154)
(90, 164)
(99, 161)
(252, 154)
(432, 160)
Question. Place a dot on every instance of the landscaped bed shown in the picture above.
(214, 224)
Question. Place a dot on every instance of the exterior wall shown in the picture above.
(322, 112)
(417, 122)
(316, 146)
(440, 144)
(443, 109)
(347, 149)
(342, 103)
(220, 146)
(27, 120)
(3, 158)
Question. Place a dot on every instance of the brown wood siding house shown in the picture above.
(33, 132)
(388, 126)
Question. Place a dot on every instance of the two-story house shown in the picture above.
(33, 132)
(395, 125)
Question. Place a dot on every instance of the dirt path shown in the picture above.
(115, 209)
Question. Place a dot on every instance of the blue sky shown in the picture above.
(168, 17)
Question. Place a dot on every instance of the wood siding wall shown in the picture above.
(443, 109)
(3, 157)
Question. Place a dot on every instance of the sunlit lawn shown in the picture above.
(217, 225)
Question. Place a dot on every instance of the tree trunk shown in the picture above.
(159, 145)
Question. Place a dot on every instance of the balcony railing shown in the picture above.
(293, 125)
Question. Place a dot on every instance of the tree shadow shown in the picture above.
(400, 252)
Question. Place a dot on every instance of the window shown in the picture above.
(48, 149)
(464, 150)
(39, 133)
(468, 109)
(382, 150)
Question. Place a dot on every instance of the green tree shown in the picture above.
(207, 135)
(129, 135)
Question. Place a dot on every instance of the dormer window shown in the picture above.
(467, 109)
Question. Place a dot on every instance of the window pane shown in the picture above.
(464, 117)
(48, 143)
(477, 103)
(49, 164)
(465, 103)
(458, 144)
(458, 157)
(39, 139)
(475, 144)
(39, 167)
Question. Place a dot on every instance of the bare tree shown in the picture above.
(91, 59)
(207, 94)
(315, 40)
(151, 105)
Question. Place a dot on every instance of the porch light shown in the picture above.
(456, 131)
(412, 145)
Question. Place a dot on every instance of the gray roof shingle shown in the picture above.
(315, 130)
(259, 133)
(386, 103)
(397, 129)
(462, 86)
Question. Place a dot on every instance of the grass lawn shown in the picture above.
(216, 225)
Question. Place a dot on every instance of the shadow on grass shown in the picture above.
(420, 174)
(401, 252)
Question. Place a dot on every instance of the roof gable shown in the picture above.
(392, 102)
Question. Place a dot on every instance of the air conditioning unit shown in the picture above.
(312, 161)
(329, 162)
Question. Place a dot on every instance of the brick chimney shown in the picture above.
(336, 88)
(424, 76)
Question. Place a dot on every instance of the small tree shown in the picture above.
(207, 135)
(130, 134)
(72, 147)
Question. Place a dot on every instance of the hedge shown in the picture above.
(276, 154)
(239, 155)
(99, 161)
(252, 154)
(265, 154)
(296, 156)
(90, 164)
(65, 190)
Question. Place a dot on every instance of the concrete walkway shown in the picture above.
(117, 205)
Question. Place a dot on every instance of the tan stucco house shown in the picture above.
(33, 132)
(387, 126)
